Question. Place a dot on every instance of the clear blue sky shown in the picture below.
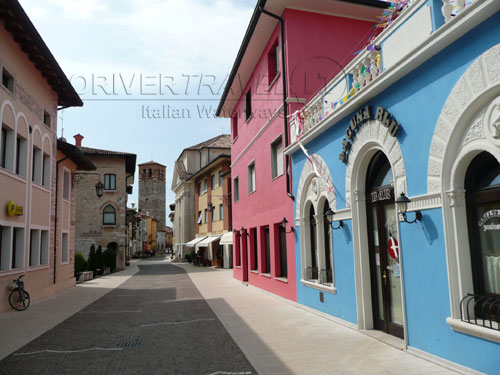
(126, 56)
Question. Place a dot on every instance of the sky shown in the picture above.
(150, 72)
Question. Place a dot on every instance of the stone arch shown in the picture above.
(22, 125)
(479, 85)
(7, 114)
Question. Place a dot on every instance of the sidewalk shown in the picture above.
(20, 327)
(280, 338)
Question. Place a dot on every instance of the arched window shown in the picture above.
(109, 215)
(482, 185)
(326, 274)
(312, 269)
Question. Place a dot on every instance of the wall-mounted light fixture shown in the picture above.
(243, 231)
(402, 203)
(329, 216)
(210, 207)
(284, 222)
(99, 188)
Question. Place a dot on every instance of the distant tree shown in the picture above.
(80, 263)
(92, 261)
(99, 258)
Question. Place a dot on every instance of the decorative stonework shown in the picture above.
(481, 80)
(456, 198)
(375, 135)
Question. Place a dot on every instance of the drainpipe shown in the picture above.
(285, 105)
(55, 216)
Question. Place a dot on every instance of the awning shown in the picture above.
(194, 241)
(207, 241)
(227, 238)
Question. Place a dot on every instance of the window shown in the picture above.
(254, 260)
(282, 271)
(199, 188)
(21, 156)
(312, 261)
(266, 256)
(273, 63)
(7, 151)
(44, 250)
(220, 178)
(200, 218)
(276, 158)
(326, 274)
(221, 212)
(150, 172)
(46, 171)
(248, 105)
(236, 189)
(37, 166)
(237, 246)
(206, 215)
(214, 213)
(5, 238)
(234, 126)
(17, 252)
(251, 177)
(109, 215)
(7, 80)
(205, 185)
(46, 118)
(109, 182)
(34, 248)
(66, 184)
(65, 248)
(212, 182)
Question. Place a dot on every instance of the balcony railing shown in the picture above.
(481, 310)
(311, 273)
(325, 277)
(365, 68)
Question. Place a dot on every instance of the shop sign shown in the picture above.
(363, 115)
(487, 216)
(13, 210)
(381, 195)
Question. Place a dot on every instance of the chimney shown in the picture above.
(78, 140)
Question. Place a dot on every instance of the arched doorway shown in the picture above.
(385, 271)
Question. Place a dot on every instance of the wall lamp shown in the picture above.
(210, 207)
(329, 216)
(402, 203)
(99, 187)
(243, 231)
(284, 222)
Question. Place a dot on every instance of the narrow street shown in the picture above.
(154, 323)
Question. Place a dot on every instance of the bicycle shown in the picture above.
(19, 299)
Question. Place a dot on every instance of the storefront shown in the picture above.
(429, 275)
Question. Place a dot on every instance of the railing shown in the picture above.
(481, 310)
(325, 277)
(365, 68)
(311, 273)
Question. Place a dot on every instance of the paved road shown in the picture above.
(155, 323)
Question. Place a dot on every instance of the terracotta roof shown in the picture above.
(130, 159)
(17, 22)
(181, 170)
(221, 141)
(152, 162)
(210, 165)
(81, 160)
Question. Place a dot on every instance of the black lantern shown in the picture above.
(284, 222)
(402, 203)
(329, 216)
(210, 207)
(243, 231)
(99, 188)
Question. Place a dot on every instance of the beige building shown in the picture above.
(102, 222)
(36, 169)
(190, 161)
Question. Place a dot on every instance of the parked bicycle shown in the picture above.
(19, 299)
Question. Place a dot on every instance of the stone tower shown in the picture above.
(152, 190)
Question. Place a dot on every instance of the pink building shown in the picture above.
(286, 56)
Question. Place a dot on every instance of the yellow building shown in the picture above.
(152, 225)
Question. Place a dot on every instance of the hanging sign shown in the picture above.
(13, 210)
(393, 248)
(363, 115)
(486, 217)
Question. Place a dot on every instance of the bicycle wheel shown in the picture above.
(19, 299)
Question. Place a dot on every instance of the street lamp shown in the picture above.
(99, 188)
(402, 203)
(329, 216)
(284, 222)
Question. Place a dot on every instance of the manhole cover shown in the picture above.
(129, 344)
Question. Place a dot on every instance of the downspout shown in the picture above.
(55, 216)
(285, 105)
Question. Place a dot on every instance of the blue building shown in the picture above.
(414, 118)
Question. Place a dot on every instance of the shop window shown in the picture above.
(251, 177)
(482, 185)
(109, 182)
(65, 248)
(254, 259)
(221, 212)
(46, 118)
(234, 126)
(282, 264)
(17, 249)
(7, 150)
(35, 244)
(266, 248)
(46, 170)
(273, 61)
(36, 175)
(109, 215)
(236, 188)
(7, 80)
(21, 156)
(248, 105)
(5, 239)
(276, 158)
(66, 185)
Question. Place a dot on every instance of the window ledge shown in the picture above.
(108, 226)
(110, 190)
(266, 275)
(16, 176)
(273, 81)
(254, 271)
(329, 289)
(474, 330)
(239, 267)
(282, 279)
(39, 267)
(278, 176)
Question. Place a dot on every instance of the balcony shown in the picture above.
(421, 30)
